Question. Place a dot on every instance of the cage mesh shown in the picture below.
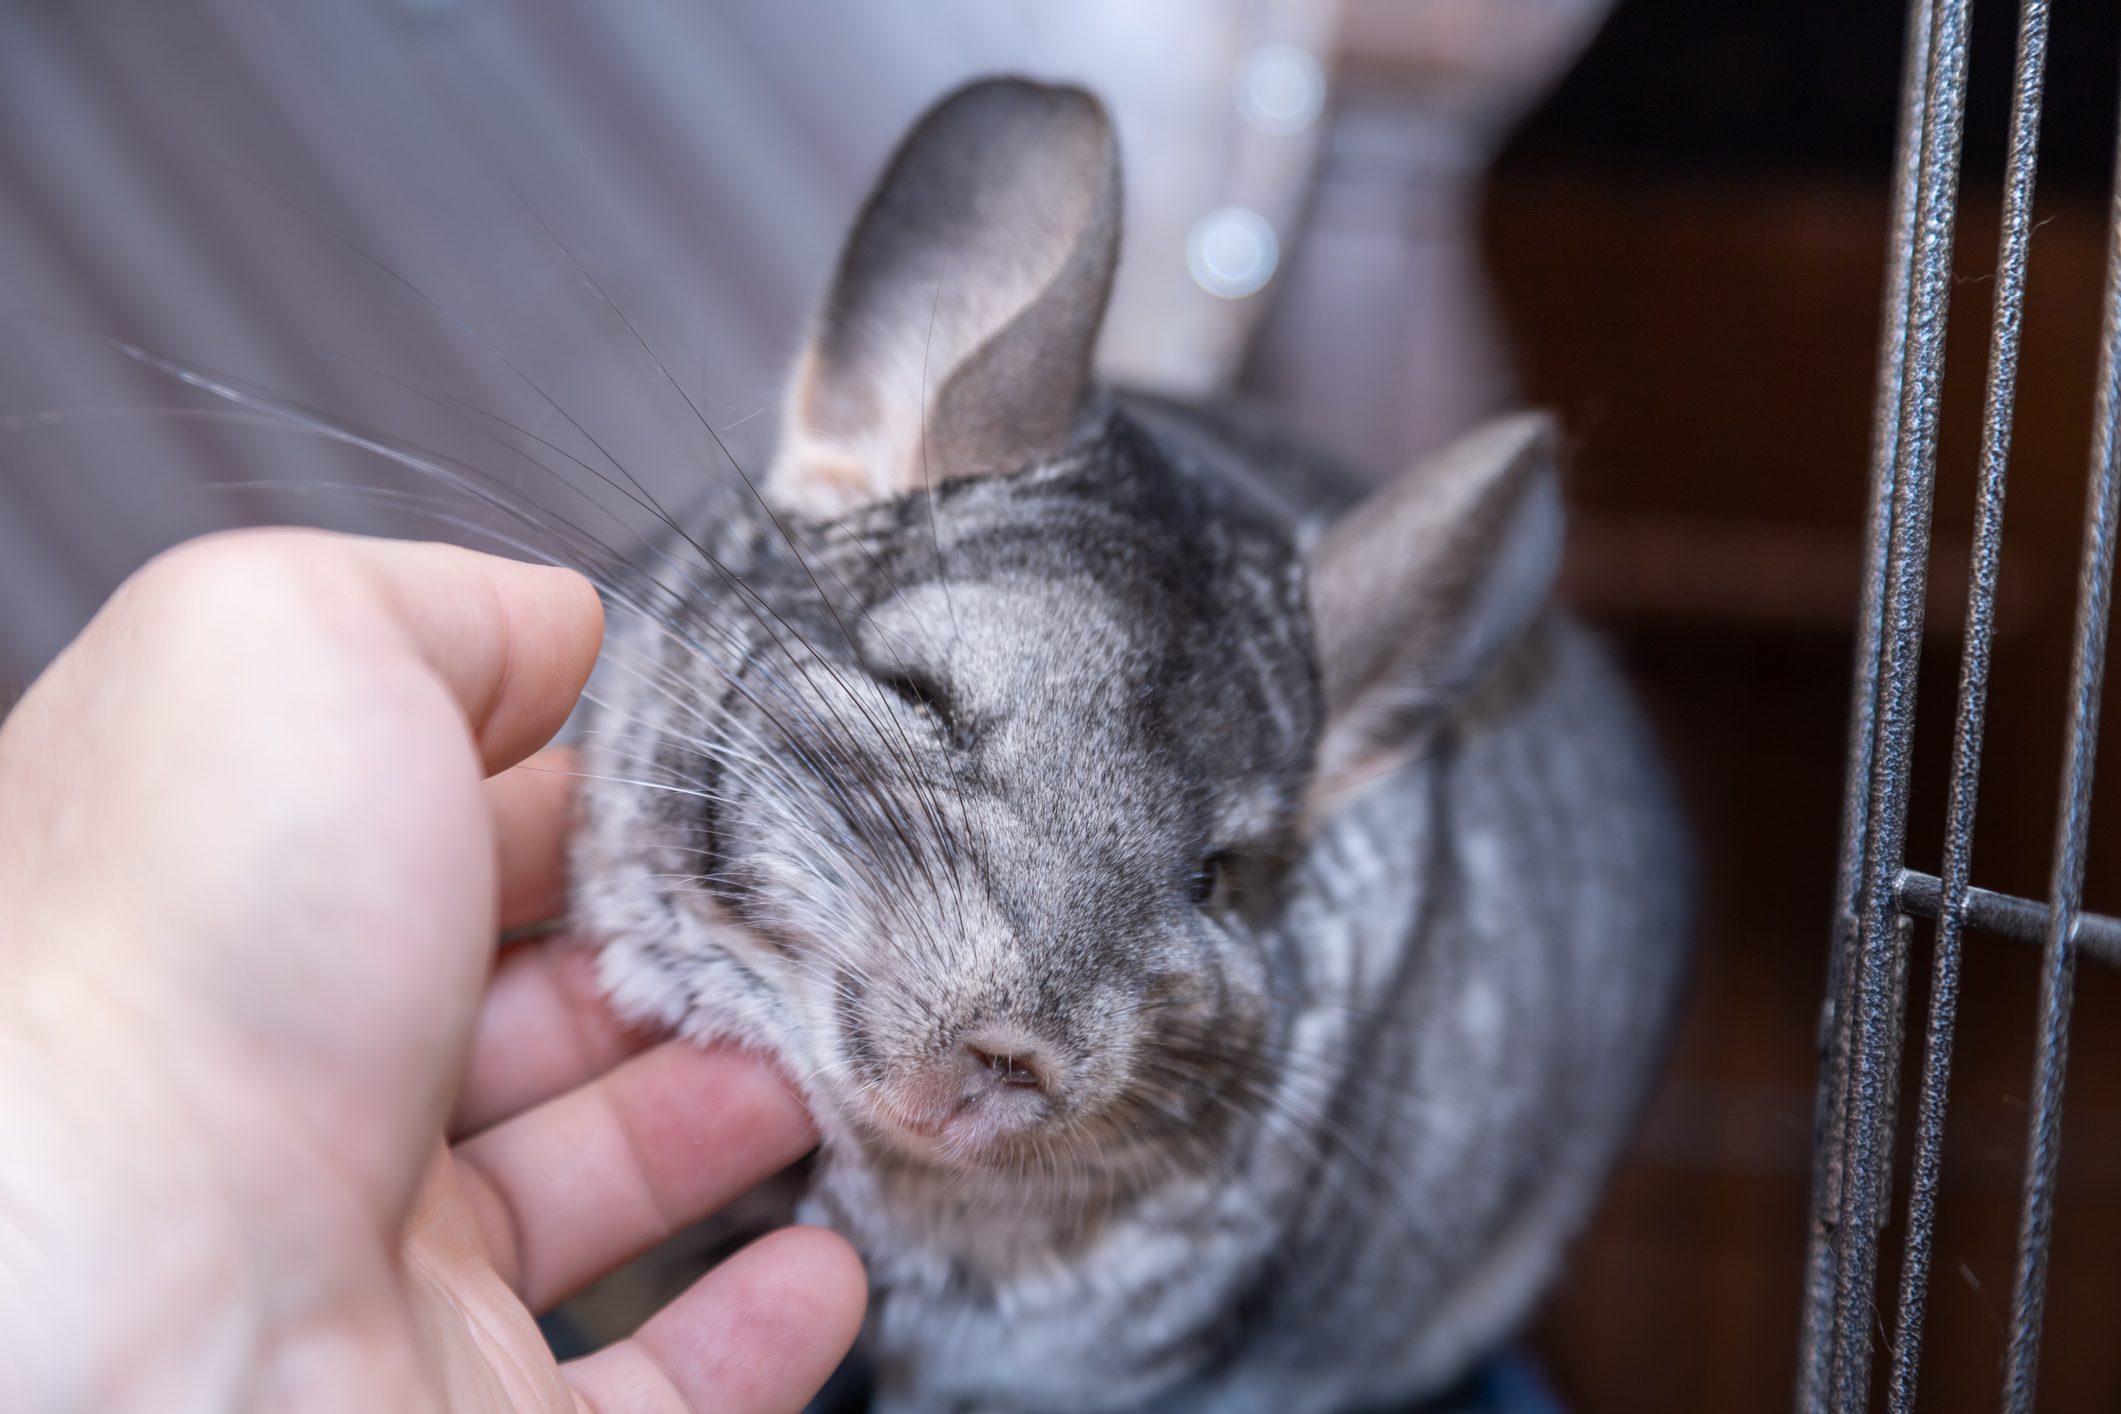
(1863, 1024)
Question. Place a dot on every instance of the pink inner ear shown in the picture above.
(817, 479)
(1420, 590)
(958, 336)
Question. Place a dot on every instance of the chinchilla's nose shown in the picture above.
(991, 1061)
(1006, 1081)
(987, 1082)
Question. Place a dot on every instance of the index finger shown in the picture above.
(284, 734)
(513, 642)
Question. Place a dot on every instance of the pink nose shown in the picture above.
(991, 1082)
(1008, 1068)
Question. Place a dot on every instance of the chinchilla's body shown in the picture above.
(1223, 924)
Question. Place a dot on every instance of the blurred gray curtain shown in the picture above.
(395, 211)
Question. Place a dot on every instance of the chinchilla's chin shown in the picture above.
(890, 1144)
(1070, 1161)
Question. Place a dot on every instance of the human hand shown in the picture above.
(251, 870)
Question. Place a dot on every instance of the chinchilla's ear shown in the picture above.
(958, 335)
(1418, 590)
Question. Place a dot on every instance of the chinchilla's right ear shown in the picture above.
(1423, 586)
(958, 335)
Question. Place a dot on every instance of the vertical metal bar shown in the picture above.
(1815, 1354)
(2006, 327)
(2072, 826)
(1879, 996)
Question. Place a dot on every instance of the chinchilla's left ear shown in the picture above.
(1418, 590)
(958, 334)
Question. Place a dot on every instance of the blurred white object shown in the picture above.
(1232, 252)
(1282, 89)
(1383, 341)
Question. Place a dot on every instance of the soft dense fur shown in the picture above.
(1223, 929)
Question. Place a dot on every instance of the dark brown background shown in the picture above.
(1689, 243)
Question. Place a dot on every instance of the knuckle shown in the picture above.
(236, 575)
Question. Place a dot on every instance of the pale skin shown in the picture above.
(279, 1128)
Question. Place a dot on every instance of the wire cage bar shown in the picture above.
(1878, 896)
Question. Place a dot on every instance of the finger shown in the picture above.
(283, 734)
(759, 1334)
(543, 1029)
(514, 643)
(530, 804)
(573, 1188)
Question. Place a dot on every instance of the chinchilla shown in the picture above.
(1224, 923)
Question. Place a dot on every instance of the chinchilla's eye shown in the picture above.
(929, 698)
(916, 691)
(1206, 881)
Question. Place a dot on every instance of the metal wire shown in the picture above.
(2006, 329)
(1878, 895)
(1879, 992)
(2072, 826)
(1815, 1355)
(2020, 919)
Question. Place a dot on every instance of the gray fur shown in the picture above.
(916, 800)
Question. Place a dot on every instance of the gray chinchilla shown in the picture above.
(1223, 923)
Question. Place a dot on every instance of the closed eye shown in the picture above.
(929, 698)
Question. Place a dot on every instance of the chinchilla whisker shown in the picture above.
(724, 746)
(486, 345)
(117, 412)
(791, 740)
(859, 543)
(896, 742)
(878, 859)
(901, 749)
(633, 782)
(718, 753)
(900, 753)
(434, 508)
(482, 421)
(633, 330)
(288, 413)
(681, 694)
(293, 415)
(669, 848)
(938, 818)
(671, 783)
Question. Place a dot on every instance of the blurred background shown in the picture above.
(488, 230)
